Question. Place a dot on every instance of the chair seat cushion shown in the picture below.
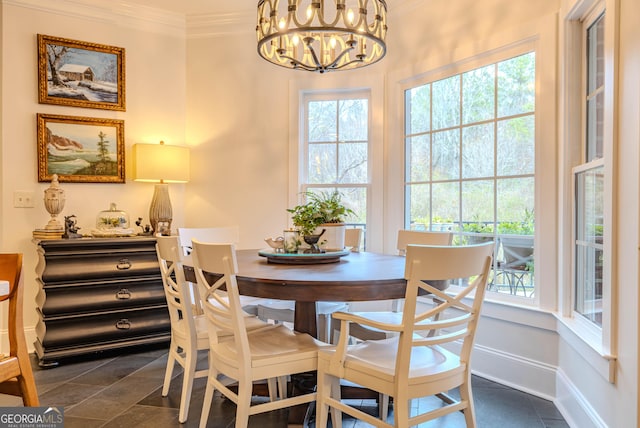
(271, 343)
(379, 356)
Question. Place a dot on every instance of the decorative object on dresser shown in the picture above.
(160, 164)
(98, 295)
(71, 227)
(54, 200)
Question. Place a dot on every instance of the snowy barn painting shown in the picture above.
(80, 74)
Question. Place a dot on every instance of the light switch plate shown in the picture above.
(23, 199)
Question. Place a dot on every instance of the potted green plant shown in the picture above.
(323, 210)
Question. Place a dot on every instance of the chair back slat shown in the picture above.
(230, 234)
(176, 290)
(471, 263)
(419, 237)
(216, 266)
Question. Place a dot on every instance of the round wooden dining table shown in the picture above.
(361, 276)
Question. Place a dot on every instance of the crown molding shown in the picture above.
(192, 26)
(220, 24)
(118, 13)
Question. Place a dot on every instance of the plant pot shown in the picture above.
(333, 238)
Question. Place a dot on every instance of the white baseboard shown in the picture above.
(574, 407)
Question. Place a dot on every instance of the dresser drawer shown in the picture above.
(104, 327)
(88, 297)
(64, 270)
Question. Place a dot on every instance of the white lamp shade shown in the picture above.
(156, 163)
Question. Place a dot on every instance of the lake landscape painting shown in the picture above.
(80, 74)
(80, 149)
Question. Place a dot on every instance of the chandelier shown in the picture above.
(317, 38)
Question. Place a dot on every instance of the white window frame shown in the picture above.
(540, 37)
(601, 342)
(340, 87)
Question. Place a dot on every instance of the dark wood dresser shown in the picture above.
(97, 295)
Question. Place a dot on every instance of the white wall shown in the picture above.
(155, 101)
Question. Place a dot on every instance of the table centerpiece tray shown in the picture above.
(301, 258)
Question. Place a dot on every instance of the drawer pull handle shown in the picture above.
(123, 324)
(123, 264)
(123, 294)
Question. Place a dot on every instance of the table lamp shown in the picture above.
(160, 164)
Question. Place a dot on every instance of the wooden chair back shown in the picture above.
(353, 238)
(230, 234)
(472, 263)
(419, 237)
(176, 291)
(16, 375)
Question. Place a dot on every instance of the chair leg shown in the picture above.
(27, 384)
(401, 410)
(323, 327)
(169, 370)
(282, 387)
(273, 388)
(336, 414)
(321, 405)
(208, 397)
(383, 406)
(469, 411)
(244, 402)
(187, 385)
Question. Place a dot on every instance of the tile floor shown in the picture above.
(123, 391)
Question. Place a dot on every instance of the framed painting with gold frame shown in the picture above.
(80, 74)
(80, 149)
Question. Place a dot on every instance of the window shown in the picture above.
(589, 179)
(470, 163)
(336, 141)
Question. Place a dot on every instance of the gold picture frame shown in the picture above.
(80, 149)
(86, 74)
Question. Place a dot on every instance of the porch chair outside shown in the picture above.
(272, 351)
(16, 376)
(414, 363)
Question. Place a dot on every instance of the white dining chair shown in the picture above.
(405, 237)
(272, 351)
(228, 234)
(189, 331)
(413, 363)
(363, 332)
